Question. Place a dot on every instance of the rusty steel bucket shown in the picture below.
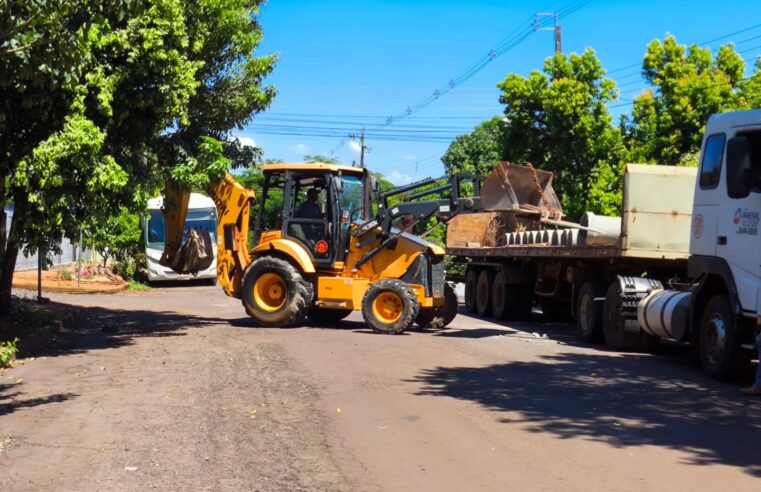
(514, 188)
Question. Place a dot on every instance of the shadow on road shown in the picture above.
(103, 328)
(12, 404)
(622, 401)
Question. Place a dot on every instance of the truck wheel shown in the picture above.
(471, 280)
(501, 298)
(483, 292)
(721, 353)
(619, 333)
(589, 314)
(322, 316)
(390, 306)
(274, 293)
(441, 316)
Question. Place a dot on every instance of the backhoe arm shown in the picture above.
(233, 203)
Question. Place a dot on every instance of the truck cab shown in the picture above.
(725, 247)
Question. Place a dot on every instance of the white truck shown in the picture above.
(682, 263)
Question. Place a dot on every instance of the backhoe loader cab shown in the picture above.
(319, 251)
(312, 205)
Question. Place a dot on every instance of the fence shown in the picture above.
(68, 253)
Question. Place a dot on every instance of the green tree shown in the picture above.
(477, 152)
(117, 238)
(321, 158)
(687, 85)
(144, 90)
(558, 121)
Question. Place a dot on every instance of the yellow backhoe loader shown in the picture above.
(320, 249)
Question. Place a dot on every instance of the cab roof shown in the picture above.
(311, 166)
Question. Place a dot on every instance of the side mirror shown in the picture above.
(373, 183)
(339, 183)
(739, 172)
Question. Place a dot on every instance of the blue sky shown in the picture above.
(344, 65)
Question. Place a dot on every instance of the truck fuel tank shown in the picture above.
(665, 313)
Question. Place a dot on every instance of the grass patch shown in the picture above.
(136, 286)
(8, 352)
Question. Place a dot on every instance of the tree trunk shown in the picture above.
(8, 265)
(3, 216)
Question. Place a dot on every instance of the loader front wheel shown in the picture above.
(441, 316)
(274, 293)
(390, 306)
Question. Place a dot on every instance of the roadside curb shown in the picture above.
(71, 290)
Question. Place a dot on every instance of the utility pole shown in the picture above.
(556, 28)
(362, 147)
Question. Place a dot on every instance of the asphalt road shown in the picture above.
(176, 390)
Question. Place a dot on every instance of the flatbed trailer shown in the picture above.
(567, 274)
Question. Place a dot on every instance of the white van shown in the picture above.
(202, 214)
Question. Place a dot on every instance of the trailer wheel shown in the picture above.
(721, 353)
(501, 304)
(274, 293)
(619, 333)
(483, 292)
(589, 314)
(471, 280)
(390, 306)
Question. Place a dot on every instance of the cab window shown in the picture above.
(710, 167)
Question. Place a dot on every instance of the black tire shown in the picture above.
(471, 280)
(501, 302)
(443, 315)
(298, 293)
(323, 316)
(721, 357)
(483, 292)
(589, 314)
(400, 294)
(619, 333)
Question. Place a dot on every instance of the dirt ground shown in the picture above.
(175, 390)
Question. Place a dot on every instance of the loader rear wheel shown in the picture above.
(274, 293)
(390, 306)
(622, 334)
(589, 313)
(322, 316)
(441, 316)
(483, 292)
(471, 280)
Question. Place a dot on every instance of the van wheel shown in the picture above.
(390, 306)
(274, 293)
(721, 353)
(471, 280)
(483, 292)
(589, 314)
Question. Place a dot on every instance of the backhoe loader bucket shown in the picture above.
(511, 188)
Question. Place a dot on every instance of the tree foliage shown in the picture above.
(479, 151)
(558, 120)
(117, 237)
(687, 85)
(104, 100)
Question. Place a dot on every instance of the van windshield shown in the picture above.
(202, 218)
